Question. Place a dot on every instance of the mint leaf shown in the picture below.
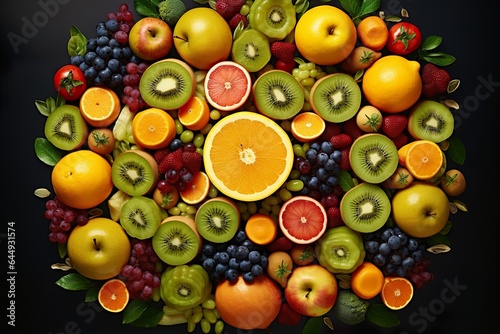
(77, 44)
(47, 152)
(74, 281)
(345, 180)
(134, 310)
(382, 316)
(312, 326)
(456, 151)
(146, 8)
(149, 318)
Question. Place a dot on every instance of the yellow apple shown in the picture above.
(99, 249)
(202, 37)
(325, 35)
(150, 38)
(421, 209)
(311, 290)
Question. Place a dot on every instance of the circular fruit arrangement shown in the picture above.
(239, 164)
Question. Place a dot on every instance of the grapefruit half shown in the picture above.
(302, 219)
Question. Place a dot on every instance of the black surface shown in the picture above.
(469, 32)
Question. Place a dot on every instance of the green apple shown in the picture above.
(325, 35)
(150, 38)
(202, 37)
(311, 290)
(421, 209)
(99, 249)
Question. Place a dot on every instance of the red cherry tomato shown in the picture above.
(404, 38)
(70, 82)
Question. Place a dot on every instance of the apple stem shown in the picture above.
(184, 39)
(95, 243)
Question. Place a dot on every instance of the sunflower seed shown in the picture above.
(328, 322)
(460, 205)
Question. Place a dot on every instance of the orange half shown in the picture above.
(153, 128)
(197, 190)
(100, 106)
(195, 114)
(247, 156)
(424, 159)
(397, 292)
(113, 295)
(307, 126)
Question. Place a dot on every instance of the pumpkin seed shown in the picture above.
(42, 192)
(460, 205)
(328, 322)
(404, 13)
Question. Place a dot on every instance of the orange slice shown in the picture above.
(197, 190)
(113, 295)
(247, 156)
(261, 229)
(307, 126)
(100, 106)
(424, 159)
(227, 85)
(195, 114)
(396, 292)
(153, 128)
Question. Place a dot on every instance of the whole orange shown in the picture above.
(248, 305)
(82, 179)
(392, 84)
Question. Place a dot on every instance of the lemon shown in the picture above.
(392, 84)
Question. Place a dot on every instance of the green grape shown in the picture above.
(213, 192)
(206, 128)
(286, 125)
(215, 114)
(197, 315)
(285, 194)
(209, 303)
(205, 326)
(252, 207)
(209, 315)
(294, 174)
(182, 206)
(198, 140)
(191, 326)
(245, 9)
(295, 185)
(186, 136)
(174, 211)
(307, 82)
(242, 206)
(219, 327)
(299, 151)
(191, 209)
(178, 126)
(275, 211)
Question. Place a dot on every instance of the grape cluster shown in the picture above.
(62, 219)
(206, 315)
(307, 74)
(109, 60)
(395, 253)
(230, 259)
(143, 271)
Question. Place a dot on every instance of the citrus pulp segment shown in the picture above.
(247, 156)
(227, 85)
(113, 295)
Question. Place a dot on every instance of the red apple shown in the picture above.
(311, 290)
(150, 38)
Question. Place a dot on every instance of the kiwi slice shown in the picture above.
(373, 157)
(177, 241)
(278, 95)
(65, 128)
(167, 84)
(336, 97)
(431, 120)
(217, 219)
(365, 208)
(140, 217)
(134, 172)
(251, 50)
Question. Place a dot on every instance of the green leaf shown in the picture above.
(42, 107)
(352, 7)
(439, 58)
(447, 228)
(75, 282)
(438, 239)
(149, 318)
(134, 310)
(62, 250)
(345, 180)
(382, 316)
(146, 8)
(312, 326)
(77, 44)
(368, 6)
(430, 43)
(359, 8)
(456, 151)
(91, 294)
(47, 152)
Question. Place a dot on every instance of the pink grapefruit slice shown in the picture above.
(227, 85)
(302, 219)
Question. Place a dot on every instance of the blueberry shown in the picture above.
(336, 155)
(231, 275)
(114, 65)
(417, 255)
(403, 237)
(313, 182)
(101, 31)
(384, 249)
(389, 269)
(83, 66)
(327, 147)
(89, 57)
(408, 263)
(221, 268)
(401, 271)
(208, 249)
(245, 265)
(112, 25)
(241, 252)
(263, 261)
(248, 244)
(105, 52)
(208, 264)
(214, 276)
(395, 259)
(256, 270)
(394, 242)
(379, 260)
(315, 146)
(372, 246)
(175, 144)
(412, 244)
(248, 277)
(311, 154)
(321, 159)
(322, 174)
(187, 177)
(216, 256)
(116, 80)
(113, 43)
(240, 236)
(99, 63)
(105, 74)
(117, 53)
(223, 257)
(90, 73)
(234, 263)
(230, 249)
(332, 181)
(254, 256)
(330, 164)
(91, 44)
(386, 233)
(127, 52)
(403, 251)
(76, 60)
(325, 189)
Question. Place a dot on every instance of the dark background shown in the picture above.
(469, 33)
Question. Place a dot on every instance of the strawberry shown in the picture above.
(281, 243)
(435, 80)
(331, 129)
(400, 140)
(173, 160)
(334, 218)
(160, 154)
(394, 125)
(345, 163)
(228, 8)
(340, 141)
(288, 316)
(283, 51)
(192, 161)
(351, 128)
(236, 19)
